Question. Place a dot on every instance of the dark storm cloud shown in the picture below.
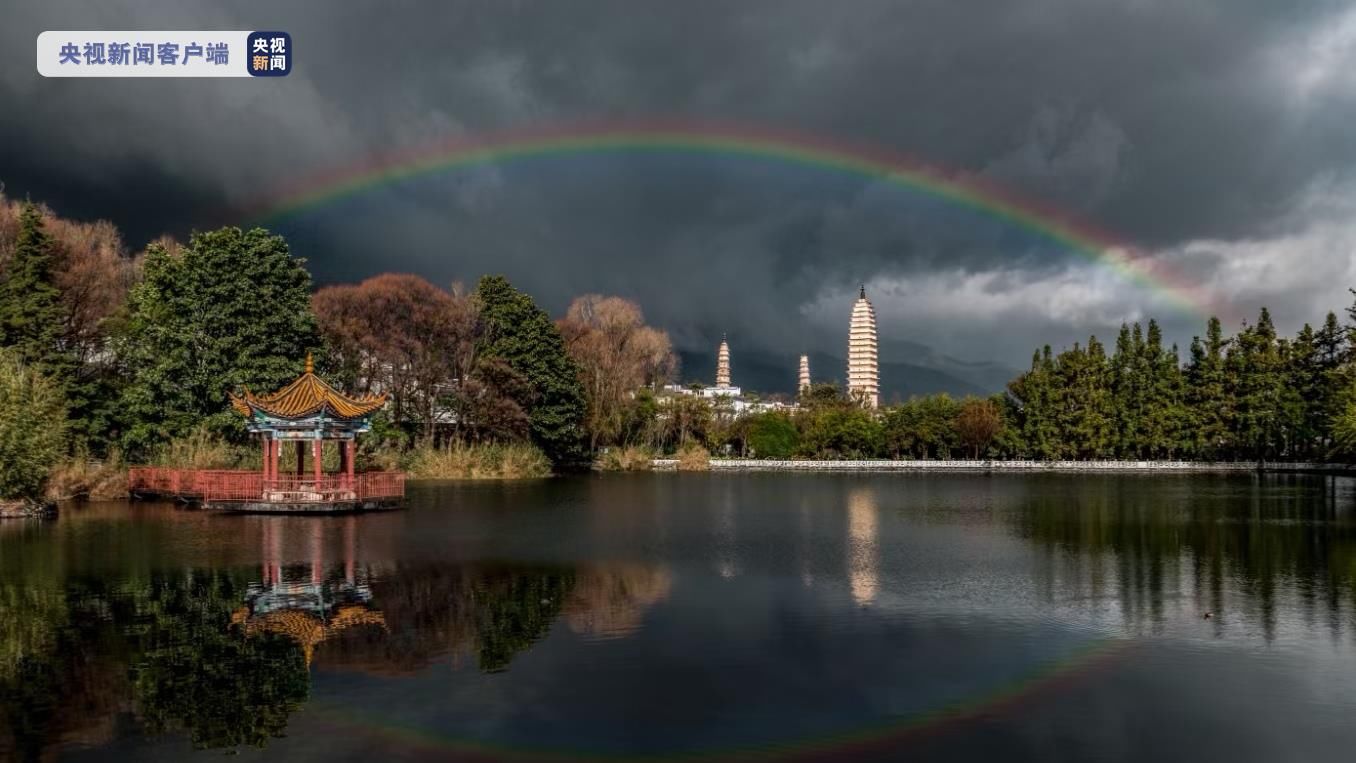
(1170, 123)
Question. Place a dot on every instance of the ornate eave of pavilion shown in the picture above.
(307, 629)
(308, 408)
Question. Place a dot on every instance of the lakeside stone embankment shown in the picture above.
(886, 465)
(21, 509)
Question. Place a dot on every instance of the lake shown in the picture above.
(698, 617)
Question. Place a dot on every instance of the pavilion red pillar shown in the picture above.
(317, 552)
(351, 447)
(270, 458)
(275, 551)
(317, 459)
(264, 543)
(350, 533)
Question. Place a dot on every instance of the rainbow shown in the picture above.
(1046, 678)
(966, 190)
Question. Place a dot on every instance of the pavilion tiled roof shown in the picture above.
(305, 628)
(307, 396)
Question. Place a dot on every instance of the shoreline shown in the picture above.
(985, 466)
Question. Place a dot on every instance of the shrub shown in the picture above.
(772, 435)
(32, 428)
(841, 432)
(628, 458)
(81, 476)
(693, 458)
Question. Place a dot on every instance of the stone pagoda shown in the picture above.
(863, 370)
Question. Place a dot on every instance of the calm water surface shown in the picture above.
(698, 617)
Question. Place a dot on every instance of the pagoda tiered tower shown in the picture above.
(863, 371)
(804, 383)
(723, 364)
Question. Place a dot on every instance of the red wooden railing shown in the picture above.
(225, 485)
(180, 483)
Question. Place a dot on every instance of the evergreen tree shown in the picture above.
(231, 309)
(1162, 406)
(1008, 443)
(1306, 402)
(1334, 352)
(1331, 343)
(1129, 380)
(1097, 430)
(1207, 405)
(30, 314)
(1082, 402)
(1255, 373)
(1034, 392)
(32, 427)
(524, 336)
(1343, 423)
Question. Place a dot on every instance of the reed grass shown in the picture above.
(80, 477)
(202, 450)
(627, 458)
(693, 458)
(503, 461)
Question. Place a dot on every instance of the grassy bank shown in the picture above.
(476, 462)
(635, 458)
(628, 458)
(80, 477)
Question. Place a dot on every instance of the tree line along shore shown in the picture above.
(110, 356)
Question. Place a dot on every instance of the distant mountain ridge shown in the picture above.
(927, 372)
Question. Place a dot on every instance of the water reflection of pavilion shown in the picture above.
(302, 602)
(348, 611)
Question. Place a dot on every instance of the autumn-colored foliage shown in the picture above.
(90, 268)
(978, 422)
(71, 279)
(616, 354)
(400, 334)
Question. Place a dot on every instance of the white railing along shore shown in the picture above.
(982, 465)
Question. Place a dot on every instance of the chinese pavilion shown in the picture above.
(308, 413)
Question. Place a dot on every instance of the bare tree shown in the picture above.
(617, 354)
(400, 334)
(977, 424)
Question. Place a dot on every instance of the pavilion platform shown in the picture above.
(251, 491)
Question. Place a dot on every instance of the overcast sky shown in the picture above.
(1217, 134)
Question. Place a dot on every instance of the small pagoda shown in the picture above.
(307, 413)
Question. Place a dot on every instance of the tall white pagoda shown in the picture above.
(863, 371)
(723, 364)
